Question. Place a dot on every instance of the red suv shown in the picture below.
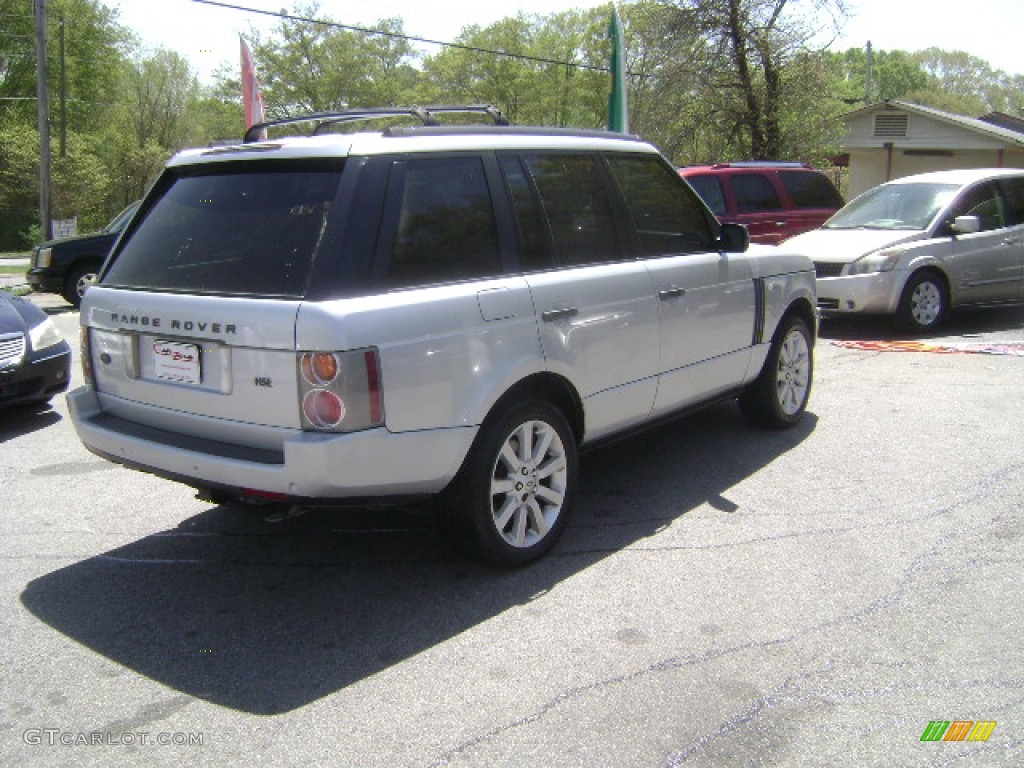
(773, 200)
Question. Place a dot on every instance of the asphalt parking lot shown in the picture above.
(724, 596)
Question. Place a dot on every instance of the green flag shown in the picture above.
(618, 113)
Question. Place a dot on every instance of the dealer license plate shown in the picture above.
(176, 361)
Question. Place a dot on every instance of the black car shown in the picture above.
(35, 361)
(68, 266)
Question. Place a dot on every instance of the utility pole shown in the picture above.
(43, 98)
(63, 94)
(867, 75)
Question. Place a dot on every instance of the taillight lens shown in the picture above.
(340, 391)
(86, 347)
(323, 409)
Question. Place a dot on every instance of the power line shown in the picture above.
(398, 36)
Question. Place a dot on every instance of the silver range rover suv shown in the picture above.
(427, 310)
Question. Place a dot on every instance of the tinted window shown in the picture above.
(981, 201)
(754, 193)
(446, 228)
(710, 189)
(241, 229)
(533, 243)
(574, 196)
(667, 216)
(1013, 194)
(809, 189)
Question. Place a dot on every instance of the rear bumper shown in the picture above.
(309, 467)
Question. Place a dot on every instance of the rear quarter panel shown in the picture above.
(447, 353)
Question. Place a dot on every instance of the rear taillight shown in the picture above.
(340, 391)
(86, 347)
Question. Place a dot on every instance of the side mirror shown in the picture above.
(734, 238)
(966, 225)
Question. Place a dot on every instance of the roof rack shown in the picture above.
(762, 164)
(324, 120)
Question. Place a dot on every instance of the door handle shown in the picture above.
(672, 292)
(557, 314)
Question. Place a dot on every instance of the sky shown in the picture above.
(208, 35)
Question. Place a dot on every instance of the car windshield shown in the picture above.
(894, 206)
(121, 220)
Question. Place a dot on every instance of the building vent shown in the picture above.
(891, 126)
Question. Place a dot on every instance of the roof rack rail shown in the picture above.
(324, 120)
(762, 164)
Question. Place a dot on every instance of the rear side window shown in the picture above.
(710, 190)
(668, 217)
(754, 192)
(809, 189)
(446, 229)
(238, 229)
(574, 196)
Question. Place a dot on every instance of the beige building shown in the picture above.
(891, 139)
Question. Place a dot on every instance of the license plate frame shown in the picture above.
(177, 361)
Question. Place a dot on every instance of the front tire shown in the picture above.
(924, 304)
(78, 282)
(513, 496)
(778, 397)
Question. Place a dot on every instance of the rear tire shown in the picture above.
(512, 498)
(778, 397)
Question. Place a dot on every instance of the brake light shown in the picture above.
(340, 391)
(86, 346)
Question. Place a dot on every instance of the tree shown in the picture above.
(318, 66)
(755, 61)
(149, 121)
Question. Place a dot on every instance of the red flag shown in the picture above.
(252, 96)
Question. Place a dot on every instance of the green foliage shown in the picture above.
(309, 67)
(709, 80)
(19, 182)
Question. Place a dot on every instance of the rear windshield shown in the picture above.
(249, 229)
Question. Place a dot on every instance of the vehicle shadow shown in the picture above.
(961, 322)
(265, 618)
(25, 419)
(66, 309)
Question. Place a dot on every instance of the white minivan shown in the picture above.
(920, 245)
(428, 310)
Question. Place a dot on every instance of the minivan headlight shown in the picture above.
(879, 261)
(45, 335)
(43, 258)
